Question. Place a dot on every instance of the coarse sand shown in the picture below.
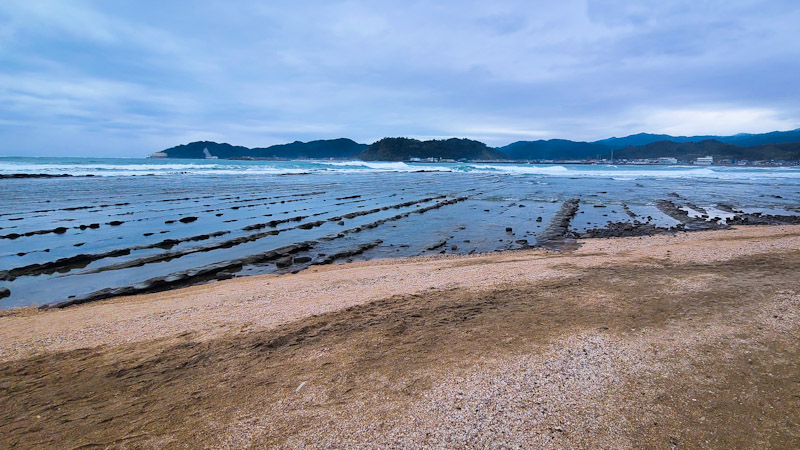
(686, 340)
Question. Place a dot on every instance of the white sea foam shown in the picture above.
(124, 167)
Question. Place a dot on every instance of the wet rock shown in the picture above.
(188, 219)
(166, 243)
(60, 230)
(5, 292)
(509, 230)
(169, 221)
(539, 219)
(690, 223)
(557, 231)
(60, 265)
(310, 225)
(302, 259)
(437, 245)
(115, 223)
(32, 175)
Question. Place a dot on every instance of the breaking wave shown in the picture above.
(128, 167)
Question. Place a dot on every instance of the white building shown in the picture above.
(158, 155)
(704, 161)
(208, 154)
(666, 160)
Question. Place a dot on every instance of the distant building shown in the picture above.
(158, 155)
(666, 160)
(415, 159)
(704, 161)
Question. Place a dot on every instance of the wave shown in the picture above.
(522, 169)
(127, 167)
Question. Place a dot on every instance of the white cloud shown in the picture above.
(720, 120)
(134, 76)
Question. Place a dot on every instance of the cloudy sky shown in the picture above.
(121, 77)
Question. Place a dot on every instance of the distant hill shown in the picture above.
(687, 151)
(322, 149)
(332, 148)
(744, 140)
(194, 150)
(400, 149)
(778, 145)
(554, 149)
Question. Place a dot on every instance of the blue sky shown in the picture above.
(127, 78)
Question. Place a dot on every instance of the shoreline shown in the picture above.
(229, 290)
(630, 342)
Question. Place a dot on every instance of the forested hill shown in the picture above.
(401, 149)
(554, 149)
(773, 146)
(742, 139)
(322, 149)
(689, 151)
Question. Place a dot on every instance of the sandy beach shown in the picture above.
(669, 341)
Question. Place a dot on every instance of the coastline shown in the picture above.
(419, 346)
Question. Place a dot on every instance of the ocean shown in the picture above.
(121, 226)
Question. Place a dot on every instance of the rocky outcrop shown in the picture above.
(557, 231)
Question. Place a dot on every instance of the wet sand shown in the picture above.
(681, 340)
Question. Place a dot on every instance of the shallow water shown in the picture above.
(134, 204)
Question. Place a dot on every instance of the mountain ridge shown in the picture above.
(776, 145)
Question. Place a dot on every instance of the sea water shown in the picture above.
(126, 214)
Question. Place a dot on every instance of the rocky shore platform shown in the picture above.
(666, 341)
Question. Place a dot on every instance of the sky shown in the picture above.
(128, 78)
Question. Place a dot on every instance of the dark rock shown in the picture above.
(60, 230)
(284, 262)
(509, 230)
(5, 292)
(167, 243)
(539, 219)
(115, 223)
(32, 175)
(188, 219)
(302, 259)
(437, 245)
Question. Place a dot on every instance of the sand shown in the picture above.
(665, 341)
